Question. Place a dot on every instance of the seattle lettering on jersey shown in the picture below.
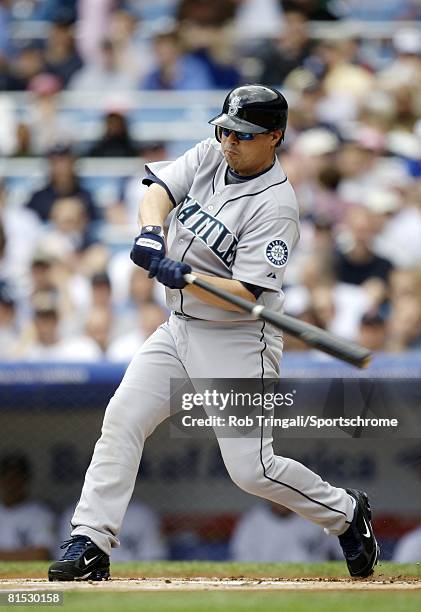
(210, 230)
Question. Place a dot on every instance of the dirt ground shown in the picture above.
(216, 584)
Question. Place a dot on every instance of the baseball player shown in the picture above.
(233, 221)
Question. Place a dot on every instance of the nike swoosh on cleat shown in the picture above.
(88, 562)
(367, 534)
(84, 576)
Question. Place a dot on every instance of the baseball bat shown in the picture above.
(315, 337)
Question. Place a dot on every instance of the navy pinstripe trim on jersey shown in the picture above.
(151, 178)
(213, 181)
(181, 302)
(181, 291)
(284, 484)
(250, 194)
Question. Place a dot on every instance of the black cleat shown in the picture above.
(358, 542)
(83, 560)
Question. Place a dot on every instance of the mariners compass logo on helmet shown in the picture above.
(233, 105)
(276, 253)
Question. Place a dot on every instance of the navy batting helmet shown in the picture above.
(252, 108)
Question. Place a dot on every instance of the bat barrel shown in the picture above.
(320, 339)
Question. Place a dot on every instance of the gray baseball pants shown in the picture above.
(181, 349)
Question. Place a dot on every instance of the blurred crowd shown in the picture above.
(352, 153)
(192, 44)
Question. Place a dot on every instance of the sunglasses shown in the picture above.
(239, 135)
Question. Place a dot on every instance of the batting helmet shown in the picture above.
(252, 108)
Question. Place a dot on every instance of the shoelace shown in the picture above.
(75, 547)
(350, 542)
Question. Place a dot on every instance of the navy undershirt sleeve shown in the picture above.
(254, 289)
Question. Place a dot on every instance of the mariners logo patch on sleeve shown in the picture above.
(276, 253)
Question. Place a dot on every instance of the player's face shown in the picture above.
(247, 157)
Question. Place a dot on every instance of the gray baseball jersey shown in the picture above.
(244, 231)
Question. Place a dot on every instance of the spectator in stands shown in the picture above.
(63, 182)
(150, 316)
(101, 290)
(125, 210)
(69, 239)
(323, 305)
(133, 54)
(373, 331)
(356, 261)
(26, 526)
(92, 25)
(61, 56)
(408, 548)
(278, 57)
(69, 234)
(116, 140)
(271, 533)
(23, 147)
(47, 125)
(103, 75)
(9, 327)
(45, 341)
(306, 88)
(361, 168)
(203, 12)
(384, 206)
(27, 63)
(21, 231)
(377, 110)
(405, 69)
(141, 288)
(210, 45)
(131, 290)
(98, 326)
(343, 76)
(70, 289)
(337, 306)
(17, 72)
(317, 177)
(43, 276)
(404, 326)
(323, 10)
(262, 17)
(102, 313)
(140, 537)
(403, 316)
(399, 223)
(406, 282)
(175, 69)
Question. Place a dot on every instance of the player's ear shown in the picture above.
(277, 137)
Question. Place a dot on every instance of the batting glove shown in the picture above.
(169, 272)
(147, 246)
